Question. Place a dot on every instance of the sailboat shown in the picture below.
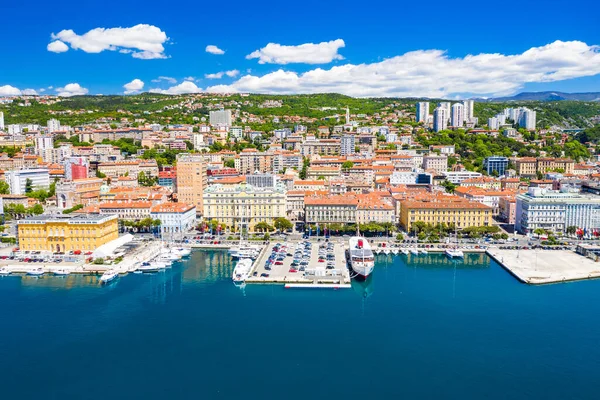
(454, 252)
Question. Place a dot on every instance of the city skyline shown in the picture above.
(86, 50)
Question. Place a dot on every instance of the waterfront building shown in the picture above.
(457, 117)
(243, 205)
(328, 209)
(422, 112)
(440, 119)
(175, 218)
(495, 163)
(444, 209)
(556, 211)
(220, 117)
(191, 179)
(17, 180)
(63, 233)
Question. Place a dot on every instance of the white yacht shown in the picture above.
(36, 271)
(244, 252)
(404, 251)
(61, 272)
(394, 250)
(414, 251)
(183, 251)
(151, 267)
(108, 276)
(5, 271)
(241, 271)
(454, 253)
(362, 259)
(423, 251)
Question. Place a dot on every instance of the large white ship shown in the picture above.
(241, 271)
(362, 259)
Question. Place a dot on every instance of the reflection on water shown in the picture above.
(433, 261)
(208, 267)
(363, 287)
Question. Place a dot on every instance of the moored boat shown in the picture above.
(454, 253)
(5, 271)
(362, 259)
(108, 276)
(61, 272)
(36, 271)
(414, 251)
(241, 271)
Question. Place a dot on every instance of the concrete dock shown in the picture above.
(281, 274)
(538, 267)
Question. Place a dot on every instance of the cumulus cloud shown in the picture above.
(218, 75)
(71, 89)
(141, 41)
(134, 86)
(308, 53)
(182, 88)
(433, 73)
(189, 78)
(164, 78)
(212, 49)
(57, 47)
(8, 90)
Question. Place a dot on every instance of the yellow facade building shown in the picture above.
(244, 206)
(461, 212)
(63, 233)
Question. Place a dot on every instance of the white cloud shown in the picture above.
(212, 49)
(141, 41)
(57, 47)
(218, 75)
(182, 88)
(134, 86)
(29, 92)
(72, 89)
(164, 78)
(41, 90)
(189, 78)
(8, 90)
(308, 53)
(432, 73)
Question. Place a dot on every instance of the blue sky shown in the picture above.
(370, 33)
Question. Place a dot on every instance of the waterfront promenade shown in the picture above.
(545, 266)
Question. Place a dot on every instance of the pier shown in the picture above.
(537, 267)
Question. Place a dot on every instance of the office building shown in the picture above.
(175, 219)
(191, 180)
(243, 206)
(63, 233)
(422, 112)
(17, 179)
(556, 211)
(53, 125)
(347, 144)
(457, 117)
(440, 119)
(495, 165)
(220, 117)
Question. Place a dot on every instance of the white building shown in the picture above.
(1, 121)
(556, 211)
(458, 176)
(527, 119)
(403, 178)
(468, 110)
(457, 117)
(17, 180)
(220, 117)
(175, 219)
(422, 111)
(236, 132)
(43, 143)
(53, 125)
(198, 141)
(447, 106)
(347, 144)
(440, 119)
(14, 129)
(493, 123)
(438, 163)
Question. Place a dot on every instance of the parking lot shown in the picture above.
(301, 262)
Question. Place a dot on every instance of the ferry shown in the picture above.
(362, 259)
(241, 271)
(454, 253)
(109, 276)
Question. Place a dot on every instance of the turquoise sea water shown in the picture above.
(421, 329)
